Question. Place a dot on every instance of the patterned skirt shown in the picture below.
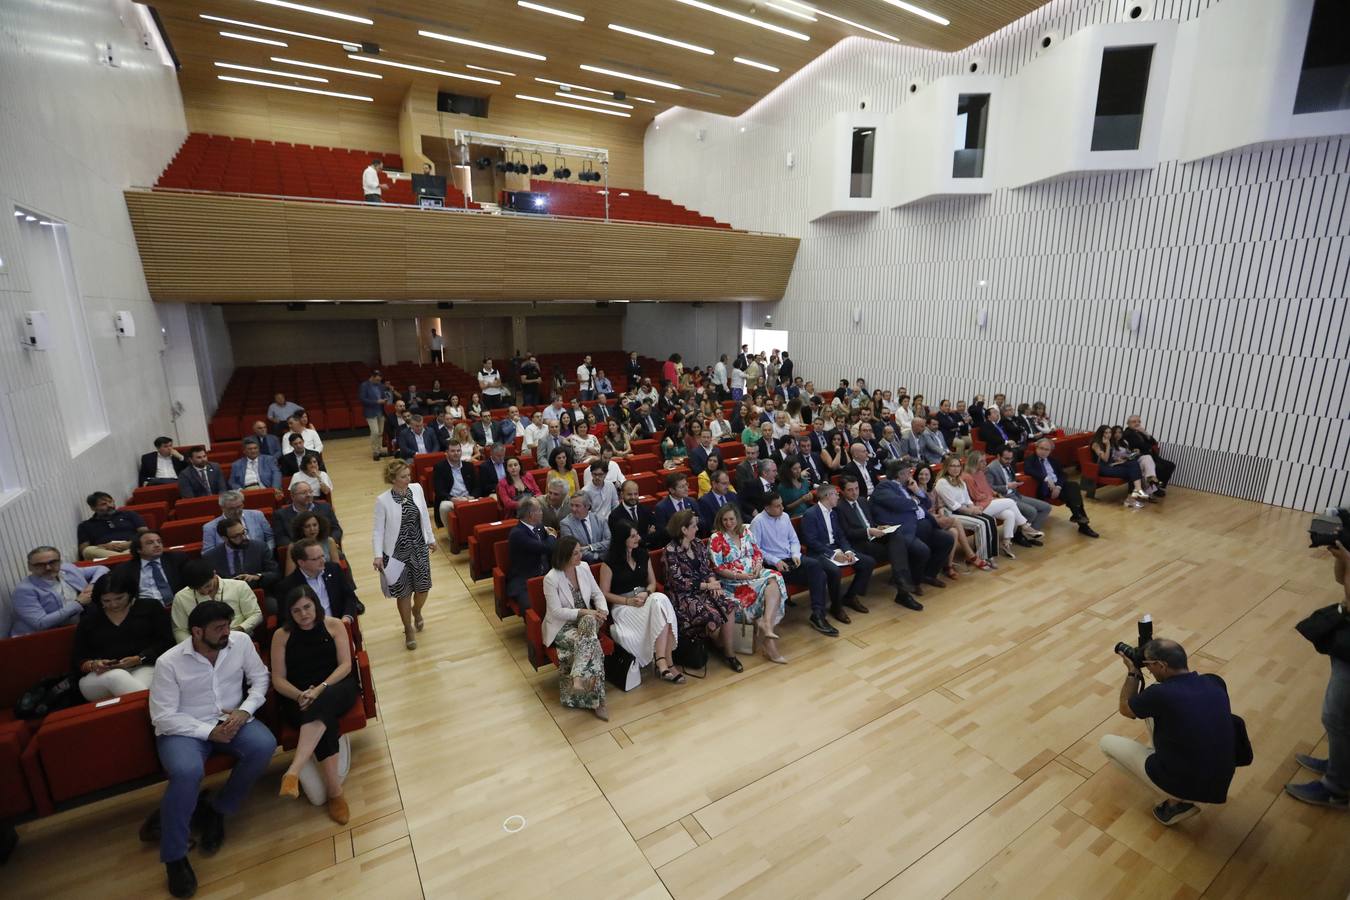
(581, 664)
(411, 550)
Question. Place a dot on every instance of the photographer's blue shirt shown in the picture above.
(1192, 736)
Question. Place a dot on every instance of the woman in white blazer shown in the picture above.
(402, 534)
(575, 610)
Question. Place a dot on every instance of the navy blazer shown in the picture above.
(817, 475)
(707, 508)
(873, 472)
(407, 442)
(698, 458)
(1035, 468)
(893, 505)
(269, 473)
(486, 478)
(529, 555)
(665, 510)
(815, 537)
(150, 465)
(190, 485)
(619, 518)
(341, 595)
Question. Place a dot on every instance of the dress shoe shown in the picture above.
(855, 604)
(338, 810)
(1086, 529)
(838, 613)
(1021, 540)
(213, 828)
(907, 601)
(934, 581)
(601, 712)
(182, 880)
(819, 623)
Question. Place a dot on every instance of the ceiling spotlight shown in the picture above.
(560, 170)
(483, 163)
(538, 167)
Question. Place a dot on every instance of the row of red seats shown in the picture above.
(631, 204)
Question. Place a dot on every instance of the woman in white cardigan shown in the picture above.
(402, 534)
(575, 610)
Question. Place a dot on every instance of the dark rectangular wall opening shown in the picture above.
(972, 125)
(860, 171)
(1324, 79)
(1122, 91)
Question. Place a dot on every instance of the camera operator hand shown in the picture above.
(1130, 667)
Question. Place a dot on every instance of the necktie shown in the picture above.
(720, 500)
(161, 583)
(632, 512)
(829, 529)
(586, 531)
(858, 510)
(206, 477)
(236, 562)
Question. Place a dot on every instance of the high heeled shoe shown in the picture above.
(765, 631)
(773, 657)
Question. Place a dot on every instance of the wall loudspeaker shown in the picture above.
(37, 333)
(914, 86)
(1134, 320)
(791, 159)
(974, 66)
(124, 324)
(1137, 10)
(1048, 40)
(857, 315)
(982, 318)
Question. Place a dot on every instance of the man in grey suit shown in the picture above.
(242, 558)
(1004, 482)
(911, 444)
(588, 528)
(932, 441)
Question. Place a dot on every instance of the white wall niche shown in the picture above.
(832, 186)
(923, 136)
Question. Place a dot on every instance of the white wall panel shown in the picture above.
(1237, 265)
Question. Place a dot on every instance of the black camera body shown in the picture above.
(1332, 528)
(1136, 653)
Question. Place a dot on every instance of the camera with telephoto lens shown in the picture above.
(1136, 654)
(1333, 528)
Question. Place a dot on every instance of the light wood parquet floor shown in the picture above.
(949, 753)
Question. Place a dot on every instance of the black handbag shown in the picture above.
(691, 653)
(47, 696)
(621, 669)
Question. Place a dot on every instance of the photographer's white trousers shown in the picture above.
(1131, 756)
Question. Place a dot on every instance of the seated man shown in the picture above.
(108, 532)
(554, 410)
(603, 493)
(159, 572)
(753, 495)
(929, 546)
(162, 465)
(1136, 438)
(676, 499)
(813, 468)
(53, 594)
(279, 411)
(293, 460)
(825, 536)
(1051, 485)
(417, 439)
(650, 425)
(706, 447)
(777, 540)
(490, 471)
(534, 431)
(452, 481)
(270, 444)
(867, 470)
(589, 529)
(198, 707)
(255, 469)
(242, 558)
(509, 428)
(232, 509)
(531, 546)
(995, 433)
(747, 469)
(484, 431)
(302, 501)
(1002, 476)
(204, 584)
(718, 496)
(201, 478)
(634, 515)
(860, 524)
(554, 505)
(326, 579)
(1191, 756)
(933, 441)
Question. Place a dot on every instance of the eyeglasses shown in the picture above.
(45, 564)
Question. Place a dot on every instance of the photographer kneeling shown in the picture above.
(1192, 757)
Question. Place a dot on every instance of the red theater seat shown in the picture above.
(1089, 474)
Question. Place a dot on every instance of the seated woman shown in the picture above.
(693, 431)
(955, 497)
(475, 409)
(904, 415)
(701, 607)
(566, 424)
(454, 409)
(982, 493)
(315, 683)
(704, 484)
(119, 637)
(923, 495)
(757, 590)
(517, 484)
(560, 470)
(643, 619)
(1043, 422)
(576, 609)
(1114, 466)
(317, 528)
(719, 426)
(673, 452)
(793, 488)
(585, 446)
(316, 478)
(835, 452)
(750, 432)
(1122, 452)
(468, 448)
(619, 437)
(918, 407)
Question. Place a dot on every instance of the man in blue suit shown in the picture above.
(676, 499)
(53, 594)
(201, 478)
(1051, 485)
(418, 439)
(893, 504)
(270, 443)
(714, 500)
(531, 546)
(705, 448)
(255, 469)
(232, 508)
(824, 535)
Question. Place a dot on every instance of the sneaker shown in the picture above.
(1169, 813)
(1316, 793)
(1311, 763)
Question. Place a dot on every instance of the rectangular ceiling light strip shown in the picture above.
(758, 65)
(918, 11)
(493, 71)
(849, 22)
(237, 67)
(256, 40)
(292, 87)
(481, 46)
(309, 65)
(380, 61)
(574, 86)
(804, 16)
(571, 96)
(663, 40)
(749, 20)
(318, 11)
(613, 74)
(561, 13)
(640, 99)
(299, 34)
(606, 112)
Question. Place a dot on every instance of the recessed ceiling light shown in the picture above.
(613, 74)
(918, 11)
(299, 34)
(292, 87)
(225, 65)
(804, 16)
(641, 99)
(841, 19)
(607, 112)
(493, 71)
(758, 65)
(664, 40)
(310, 65)
(481, 46)
(539, 7)
(749, 20)
(380, 61)
(571, 96)
(300, 7)
(256, 40)
(574, 86)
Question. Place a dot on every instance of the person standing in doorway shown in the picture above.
(437, 347)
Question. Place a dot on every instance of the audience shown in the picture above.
(53, 594)
(302, 501)
(516, 486)
(555, 504)
(202, 584)
(643, 620)
(318, 480)
(313, 527)
(255, 469)
(954, 525)
(280, 410)
(758, 591)
(1116, 461)
(295, 457)
(201, 478)
(560, 471)
(109, 531)
(451, 482)
(1002, 477)
(587, 528)
(159, 572)
(1051, 485)
(491, 471)
(417, 439)
(632, 513)
(929, 546)
(868, 537)
(602, 492)
(676, 499)
(828, 544)
(954, 495)
(576, 609)
(402, 534)
(1139, 440)
(531, 547)
(308, 565)
(118, 638)
(240, 557)
(781, 549)
(232, 510)
(162, 465)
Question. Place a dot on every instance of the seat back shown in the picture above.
(194, 507)
(153, 514)
(183, 531)
(27, 659)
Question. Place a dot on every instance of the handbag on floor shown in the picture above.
(744, 637)
(691, 653)
(622, 670)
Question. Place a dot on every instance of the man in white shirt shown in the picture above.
(370, 181)
(719, 378)
(490, 385)
(603, 494)
(554, 410)
(197, 707)
(437, 347)
(586, 379)
(533, 432)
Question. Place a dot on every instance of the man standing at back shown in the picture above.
(371, 395)
(370, 182)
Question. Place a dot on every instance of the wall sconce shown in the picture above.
(982, 318)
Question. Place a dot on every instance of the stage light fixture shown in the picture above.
(560, 170)
(483, 163)
(537, 166)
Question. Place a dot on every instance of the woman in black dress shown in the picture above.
(312, 675)
(701, 606)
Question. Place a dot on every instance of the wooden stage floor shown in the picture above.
(948, 753)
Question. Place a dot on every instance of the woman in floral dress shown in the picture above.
(701, 607)
(757, 590)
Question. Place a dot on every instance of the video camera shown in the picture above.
(1334, 527)
(1136, 653)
